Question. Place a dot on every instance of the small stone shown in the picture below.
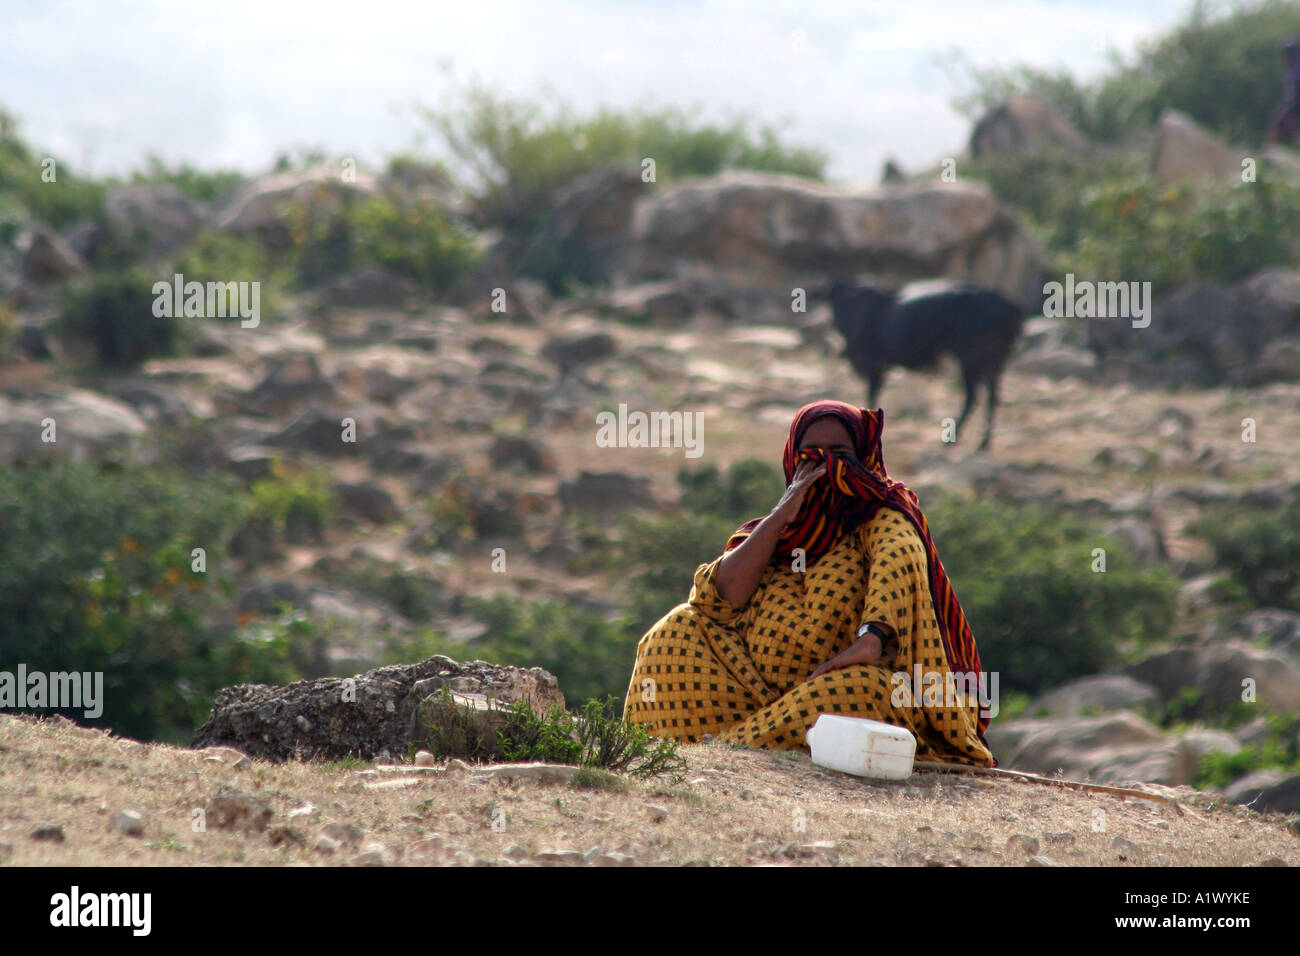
(820, 848)
(129, 822)
(6, 851)
(708, 739)
(1273, 861)
(426, 850)
(539, 772)
(613, 859)
(375, 854)
(343, 833)
(559, 858)
(1063, 837)
(1041, 861)
(1022, 843)
(424, 759)
(515, 852)
(924, 828)
(591, 854)
(325, 844)
(305, 810)
(1123, 845)
(225, 755)
(48, 831)
(456, 765)
(237, 809)
(282, 833)
(393, 783)
(658, 813)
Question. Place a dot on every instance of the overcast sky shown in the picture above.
(232, 84)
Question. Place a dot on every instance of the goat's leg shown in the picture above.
(971, 384)
(988, 412)
(874, 383)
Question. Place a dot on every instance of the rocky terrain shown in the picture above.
(711, 305)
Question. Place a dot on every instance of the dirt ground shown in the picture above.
(736, 807)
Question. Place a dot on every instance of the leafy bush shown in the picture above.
(594, 737)
(519, 153)
(1220, 66)
(114, 314)
(1175, 234)
(1104, 219)
(1279, 750)
(299, 503)
(96, 574)
(1040, 615)
(60, 203)
(201, 184)
(416, 240)
(215, 256)
(1260, 551)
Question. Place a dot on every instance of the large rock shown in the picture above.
(1218, 671)
(1184, 152)
(605, 492)
(86, 425)
(1024, 125)
(591, 221)
(369, 287)
(264, 206)
(774, 232)
(161, 212)
(333, 718)
(1209, 334)
(47, 258)
(1078, 745)
(1283, 796)
(1101, 692)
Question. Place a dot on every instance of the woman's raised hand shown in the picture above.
(787, 509)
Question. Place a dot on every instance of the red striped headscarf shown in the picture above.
(853, 489)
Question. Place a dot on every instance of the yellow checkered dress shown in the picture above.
(742, 672)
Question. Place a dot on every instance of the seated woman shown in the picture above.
(826, 605)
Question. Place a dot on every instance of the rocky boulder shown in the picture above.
(1209, 334)
(774, 232)
(264, 206)
(366, 715)
(590, 222)
(1218, 671)
(1184, 152)
(1024, 125)
(168, 217)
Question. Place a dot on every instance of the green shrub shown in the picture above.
(1280, 750)
(1259, 549)
(97, 574)
(66, 200)
(201, 184)
(215, 256)
(1221, 66)
(114, 315)
(595, 737)
(300, 503)
(416, 240)
(520, 152)
(1040, 615)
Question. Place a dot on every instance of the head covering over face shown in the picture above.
(853, 489)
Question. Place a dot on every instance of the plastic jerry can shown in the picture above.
(862, 747)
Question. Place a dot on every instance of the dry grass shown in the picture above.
(739, 807)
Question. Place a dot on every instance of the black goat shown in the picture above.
(882, 329)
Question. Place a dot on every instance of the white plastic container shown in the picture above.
(862, 747)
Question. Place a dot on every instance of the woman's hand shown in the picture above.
(864, 652)
(787, 509)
